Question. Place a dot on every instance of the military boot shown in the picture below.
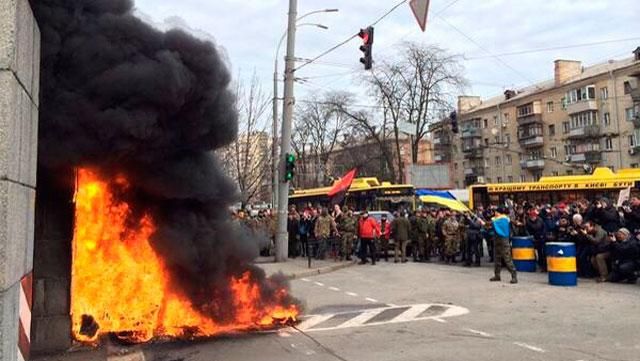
(514, 278)
(495, 279)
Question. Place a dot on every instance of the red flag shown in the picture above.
(344, 183)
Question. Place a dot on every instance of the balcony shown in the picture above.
(582, 106)
(636, 120)
(593, 156)
(471, 133)
(475, 171)
(473, 153)
(442, 140)
(589, 131)
(441, 158)
(530, 119)
(436, 126)
(532, 141)
(635, 94)
(532, 164)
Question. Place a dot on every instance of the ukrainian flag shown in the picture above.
(443, 198)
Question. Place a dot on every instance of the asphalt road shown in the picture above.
(434, 312)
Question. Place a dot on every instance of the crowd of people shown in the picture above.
(606, 237)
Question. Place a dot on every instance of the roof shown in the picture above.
(587, 72)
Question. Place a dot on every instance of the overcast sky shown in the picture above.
(249, 30)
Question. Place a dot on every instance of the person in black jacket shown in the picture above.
(606, 215)
(632, 215)
(625, 251)
(536, 228)
(474, 240)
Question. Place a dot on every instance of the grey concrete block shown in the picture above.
(19, 40)
(51, 297)
(18, 132)
(16, 232)
(50, 334)
(9, 321)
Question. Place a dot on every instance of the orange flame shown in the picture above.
(120, 285)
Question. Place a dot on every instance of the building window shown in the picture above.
(523, 178)
(632, 140)
(552, 130)
(496, 139)
(634, 165)
(485, 123)
(507, 139)
(488, 180)
(629, 114)
(495, 120)
(455, 166)
(555, 173)
(607, 119)
(508, 159)
(486, 162)
(569, 172)
(486, 142)
(510, 179)
(457, 185)
(554, 152)
(627, 87)
(565, 127)
(582, 94)
(604, 93)
(498, 160)
(506, 119)
(499, 179)
(608, 144)
(549, 107)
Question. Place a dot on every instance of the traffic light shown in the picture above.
(454, 121)
(290, 167)
(367, 47)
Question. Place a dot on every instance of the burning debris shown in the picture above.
(139, 113)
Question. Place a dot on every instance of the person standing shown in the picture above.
(502, 248)
(451, 237)
(347, 228)
(400, 228)
(419, 244)
(537, 229)
(324, 227)
(385, 235)
(474, 240)
(368, 231)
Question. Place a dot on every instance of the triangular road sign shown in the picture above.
(420, 10)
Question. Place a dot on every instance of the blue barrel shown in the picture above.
(561, 264)
(523, 253)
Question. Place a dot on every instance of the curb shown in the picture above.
(317, 271)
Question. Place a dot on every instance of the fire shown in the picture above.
(121, 286)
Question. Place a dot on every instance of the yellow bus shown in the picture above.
(551, 190)
(364, 193)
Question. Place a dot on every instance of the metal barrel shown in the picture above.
(561, 264)
(523, 254)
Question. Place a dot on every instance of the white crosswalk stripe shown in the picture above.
(381, 316)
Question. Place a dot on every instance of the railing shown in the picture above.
(592, 156)
(588, 131)
(533, 141)
(529, 119)
(470, 133)
(582, 106)
(530, 164)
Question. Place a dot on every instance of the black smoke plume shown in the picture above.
(123, 97)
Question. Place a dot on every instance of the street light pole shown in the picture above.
(274, 126)
(282, 244)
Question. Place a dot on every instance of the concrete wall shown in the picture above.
(19, 88)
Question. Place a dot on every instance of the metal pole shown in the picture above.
(274, 144)
(282, 246)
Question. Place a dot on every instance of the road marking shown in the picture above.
(305, 280)
(283, 333)
(319, 284)
(529, 347)
(352, 294)
(481, 333)
(392, 305)
(371, 300)
(334, 289)
(381, 316)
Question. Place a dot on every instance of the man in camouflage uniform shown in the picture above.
(325, 225)
(462, 236)
(430, 219)
(451, 237)
(347, 228)
(420, 245)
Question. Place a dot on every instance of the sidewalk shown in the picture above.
(298, 267)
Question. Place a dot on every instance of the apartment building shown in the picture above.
(584, 117)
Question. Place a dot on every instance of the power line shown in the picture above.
(350, 38)
(560, 47)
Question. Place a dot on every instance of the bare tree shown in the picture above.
(247, 159)
(319, 125)
(415, 89)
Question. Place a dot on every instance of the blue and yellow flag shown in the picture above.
(443, 198)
